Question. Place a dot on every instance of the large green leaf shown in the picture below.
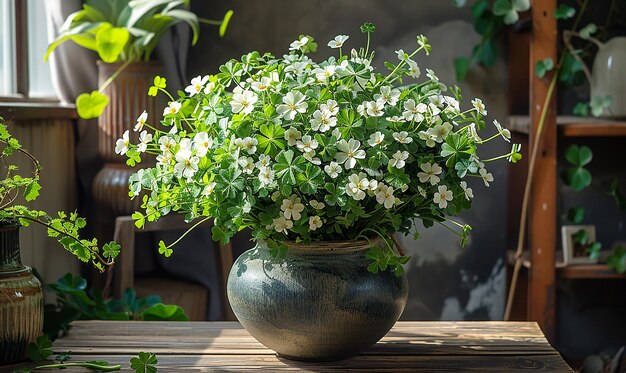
(164, 312)
(91, 105)
(79, 34)
(110, 43)
(189, 18)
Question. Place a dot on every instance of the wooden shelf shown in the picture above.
(575, 126)
(572, 271)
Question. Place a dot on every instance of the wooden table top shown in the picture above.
(227, 347)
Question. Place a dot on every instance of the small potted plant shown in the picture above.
(324, 162)
(124, 33)
(21, 298)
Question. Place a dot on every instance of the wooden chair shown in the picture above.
(191, 296)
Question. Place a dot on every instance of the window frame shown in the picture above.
(22, 78)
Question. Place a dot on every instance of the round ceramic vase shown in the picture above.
(21, 299)
(317, 303)
(609, 73)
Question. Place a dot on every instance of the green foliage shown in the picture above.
(543, 66)
(64, 227)
(91, 105)
(599, 104)
(40, 349)
(576, 215)
(617, 259)
(145, 362)
(564, 12)
(587, 31)
(266, 141)
(509, 9)
(75, 302)
(576, 175)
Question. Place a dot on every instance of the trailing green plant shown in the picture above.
(64, 226)
(41, 349)
(577, 177)
(124, 31)
(75, 302)
(490, 19)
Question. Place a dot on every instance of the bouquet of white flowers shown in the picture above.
(303, 151)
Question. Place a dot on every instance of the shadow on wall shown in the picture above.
(469, 282)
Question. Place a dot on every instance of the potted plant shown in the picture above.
(21, 299)
(124, 33)
(324, 162)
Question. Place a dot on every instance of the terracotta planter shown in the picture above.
(318, 303)
(21, 299)
(128, 98)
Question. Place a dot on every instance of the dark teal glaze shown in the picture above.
(318, 303)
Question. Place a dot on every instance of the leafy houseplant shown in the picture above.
(21, 302)
(324, 162)
(124, 33)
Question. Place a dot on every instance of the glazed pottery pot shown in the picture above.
(21, 299)
(607, 76)
(319, 302)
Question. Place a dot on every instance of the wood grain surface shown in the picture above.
(227, 347)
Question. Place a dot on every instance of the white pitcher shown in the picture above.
(608, 76)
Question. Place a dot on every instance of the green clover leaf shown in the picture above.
(145, 362)
(91, 105)
(564, 12)
(543, 66)
(40, 349)
(110, 43)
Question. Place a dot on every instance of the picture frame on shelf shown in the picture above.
(576, 240)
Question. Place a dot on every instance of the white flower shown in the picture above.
(486, 176)
(264, 161)
(349, 153)
(309, 157)
(396, 119)
(414, 70)
(173, 108)
(322, 74)
(388, 95)
(209, 188)
(453, 104)
(336, 133)
(413, 111)
(428, 137)
(281, 224)
(317, 205)
(398, 159)
(361, 110)
(469, 193)
(479, 106)
(375, 108)
(298, 44)
(164, 158)
(196, 85)
(440, 131)
(443, 196)
(333, 169)
(202, 143)
(402, 56)
(266, 176)
(243, 101)
(402, 137)
(430, 172)
(322, 121)
(431, 75)
(338, 41)
(434, 110)
(121, 145)
(144, 140)
(292, 135)
(504, 132)
(166, 144)
(297, 68)
(261, 85)
(307, 144)
(376, 138)
(384, 196)
(357, 185)
(247, 164)
(292, 207)
(315, 222)
(249, 144)
(293, 104)
(141, 121)
(473, 133)
(209, 87)
(331, 106)
(186, 165)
